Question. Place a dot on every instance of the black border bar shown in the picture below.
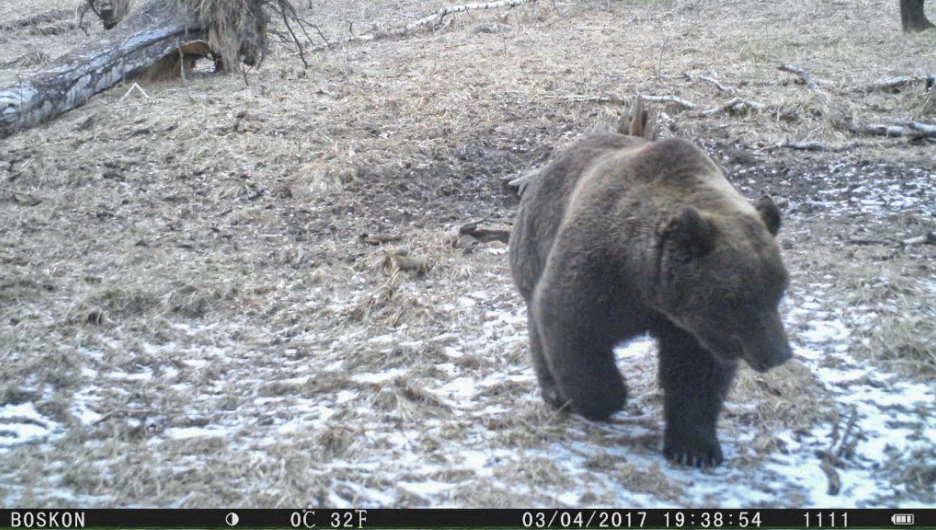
(467, 518)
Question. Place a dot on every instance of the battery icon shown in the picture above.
(903, 519)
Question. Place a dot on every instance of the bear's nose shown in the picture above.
(781, 354)
(769, 346)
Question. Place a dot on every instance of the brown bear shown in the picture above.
(620, 236)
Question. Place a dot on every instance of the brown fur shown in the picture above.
(621, 236)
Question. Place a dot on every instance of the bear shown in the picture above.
(623, 235)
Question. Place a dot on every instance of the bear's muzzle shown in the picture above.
(766, 345)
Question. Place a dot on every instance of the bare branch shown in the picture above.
(437, 17)
(928, 129)
(712, 81)
(734, 105)
(581, 98)
(288, 12)
(900, 128)
(617, 100)
(320, 34)
(80, 11)
(12, 191)
(895, 83)
(442, 12)
(133, 87)
(302, 56)
(808, 145)
(802, 73)
(671, 99)
(878, 129)
(474, 230)
(871, 241)
(379, 239)
(828, 467)
(928, 238)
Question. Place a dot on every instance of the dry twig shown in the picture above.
(712, 81)
(437, 17)
(807, 145)
(33, 196)
(133, 87)
(448, 10)
(900, 128)
(810, 145)
(734, 105)
(581, 98)
(295, 39)
(896, 83)
(869, 241)
(802, 73)
(928, 238)
(671, 99)
(484, 234)
(832, 457)
(379, 239)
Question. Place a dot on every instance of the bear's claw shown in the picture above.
(695, 453)
(554, 398)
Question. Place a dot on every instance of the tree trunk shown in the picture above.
(142, 39)
(912, 17)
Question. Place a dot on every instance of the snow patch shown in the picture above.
(186, 433)
(379, 377)
(22, 423)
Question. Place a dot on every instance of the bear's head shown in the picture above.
(720, 277)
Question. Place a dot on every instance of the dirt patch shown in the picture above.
(184, 283)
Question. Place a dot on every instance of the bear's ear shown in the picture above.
(692, 233)
(769, 213)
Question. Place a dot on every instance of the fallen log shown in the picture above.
(144, 37)
(165, 34)
(484, 235)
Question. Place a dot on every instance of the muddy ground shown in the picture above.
(195, 310)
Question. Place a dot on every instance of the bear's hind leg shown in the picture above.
(695, 385)
(550, 389)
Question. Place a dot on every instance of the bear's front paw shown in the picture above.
(692, 449)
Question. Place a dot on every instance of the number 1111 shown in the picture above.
(826, 519)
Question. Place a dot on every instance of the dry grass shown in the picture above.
(789, 396)
(903, 327)
(194, 259)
